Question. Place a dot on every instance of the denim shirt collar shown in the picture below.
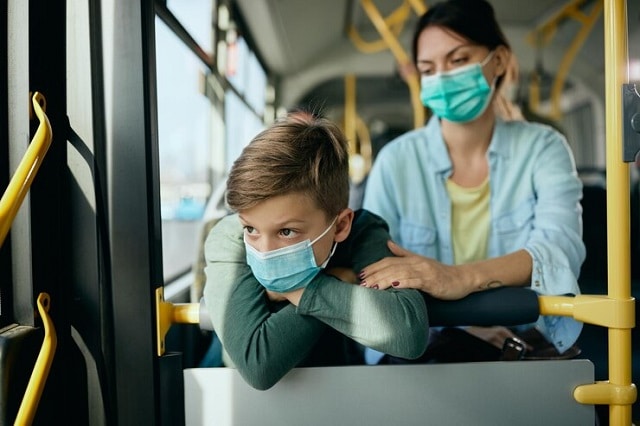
(499, 145)
(501, 140)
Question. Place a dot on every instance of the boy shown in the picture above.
(272, 304)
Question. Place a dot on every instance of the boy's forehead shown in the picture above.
(293, 208)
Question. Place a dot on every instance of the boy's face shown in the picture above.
(288, 219)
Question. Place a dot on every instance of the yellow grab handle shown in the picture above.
(29, 404)
(27, 169)
(168, 314)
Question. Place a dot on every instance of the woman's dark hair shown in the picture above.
(474, 20)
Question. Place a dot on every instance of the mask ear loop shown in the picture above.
(486, 60)
(494, 83)
(324, 233)
(333, 250)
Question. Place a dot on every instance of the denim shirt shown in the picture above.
(534, 205)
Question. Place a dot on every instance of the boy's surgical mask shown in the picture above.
(287, 268)
(460, 95)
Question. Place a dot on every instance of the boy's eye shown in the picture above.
(288, 233)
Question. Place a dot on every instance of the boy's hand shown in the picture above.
(275, 297)
(343, 274)
(291, 296)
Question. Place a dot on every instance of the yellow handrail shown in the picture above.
(168, 314)
(27, 169)
(402, 58)
(563, 70)
(40, 372)
(542, 35)
(395, 21)
(618, 222)
(616, 310)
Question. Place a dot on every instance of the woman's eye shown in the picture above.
(459, 61)
(249, 230)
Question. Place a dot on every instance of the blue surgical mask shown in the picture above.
(287, 268)
(460, 95)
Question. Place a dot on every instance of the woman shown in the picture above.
(476, 202)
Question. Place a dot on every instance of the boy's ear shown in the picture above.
(343, 225)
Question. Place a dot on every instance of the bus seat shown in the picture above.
(593, 274)
(19, 348)
(199, 277)
(495, 393)
(517, 305)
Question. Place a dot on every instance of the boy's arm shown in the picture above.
(262, 345)
(391, 321)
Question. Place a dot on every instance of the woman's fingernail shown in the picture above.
(361, 275)
(374, 286)
(395, 283)
(363, 283)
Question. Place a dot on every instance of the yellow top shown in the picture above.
(469, 221)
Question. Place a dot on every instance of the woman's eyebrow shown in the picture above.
(447, 55)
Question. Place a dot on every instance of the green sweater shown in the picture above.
(264, 340)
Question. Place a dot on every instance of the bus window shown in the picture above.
(196, 17)
(184, 132)
(211, 101)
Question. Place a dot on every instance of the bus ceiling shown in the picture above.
(302, 41)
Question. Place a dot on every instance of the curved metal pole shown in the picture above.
(395, 21)
(569, 56)
(402, 58)
(40, 372)
(27, 169)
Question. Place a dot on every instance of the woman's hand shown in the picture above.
(409, 270)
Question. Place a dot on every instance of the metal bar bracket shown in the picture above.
(168, 313)
(631, 120)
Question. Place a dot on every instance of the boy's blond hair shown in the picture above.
(299, 153)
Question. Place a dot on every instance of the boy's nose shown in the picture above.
(266, 244)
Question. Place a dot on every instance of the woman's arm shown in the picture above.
(448, 282)
(555, 243)
(548, 255)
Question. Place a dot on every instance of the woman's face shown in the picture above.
(440, 50)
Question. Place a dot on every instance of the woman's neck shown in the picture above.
(467, 145)
(469, 139)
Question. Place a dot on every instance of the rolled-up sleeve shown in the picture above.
(555, 243)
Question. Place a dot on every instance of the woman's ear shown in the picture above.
(343, 225)
(502, 55)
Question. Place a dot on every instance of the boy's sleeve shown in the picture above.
(262, 345)
(391, 321)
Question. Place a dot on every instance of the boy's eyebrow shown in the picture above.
(290, 222)
(282, 224)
